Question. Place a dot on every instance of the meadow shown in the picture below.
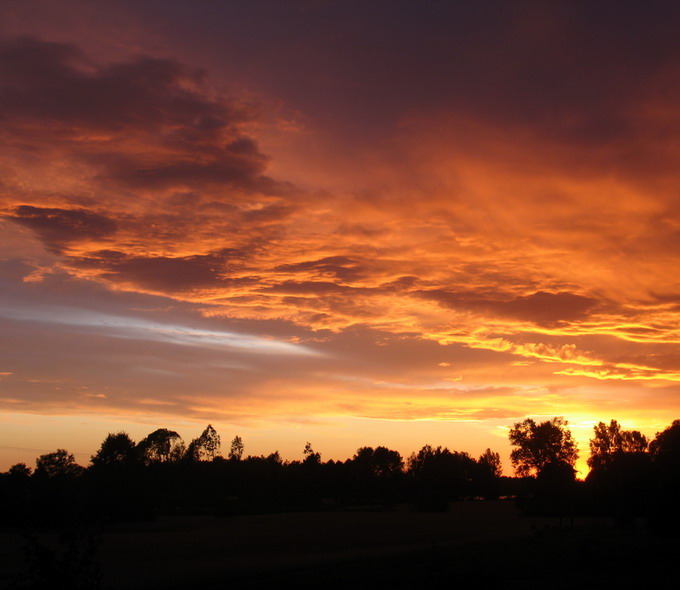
(473, 542)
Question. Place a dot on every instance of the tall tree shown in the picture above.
(539, 445)
(487, 475)
(236, 449)
(491, 462)
(206, 446)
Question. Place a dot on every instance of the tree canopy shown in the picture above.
(206, 446)
(19, 470)
(117, 449)
(492, 462)
(540, 445)
(236, 448)
(60, 463)
(610, 442)
(311, 457)
(379, 462)
(161, 445)
(665, 448)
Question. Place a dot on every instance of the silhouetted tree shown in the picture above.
(311, 457)
(160, 446)
(371, 475)
(205, 446)
(380, 462)
(610, 441)
(274, 458)
(16, 495)
(620, 471)
(664, 511)
(440, 475)
(538, 445)
(488, 474)
(61, 463)
(236, 449)
(58, 490)
(117, 482)
(19, 470)
(665, 448)
(492, 461)
(192, 451)
(117, 450)
(554, 489)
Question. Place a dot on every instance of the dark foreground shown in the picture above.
(474, 543)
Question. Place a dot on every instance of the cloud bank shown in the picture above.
(468, 213)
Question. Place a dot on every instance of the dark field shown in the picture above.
(473, 543)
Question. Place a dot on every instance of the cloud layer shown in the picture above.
(466, 213)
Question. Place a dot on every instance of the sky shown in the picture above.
(352, 223)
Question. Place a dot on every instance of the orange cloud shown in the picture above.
(478, 259)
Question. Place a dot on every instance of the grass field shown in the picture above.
(474, 542)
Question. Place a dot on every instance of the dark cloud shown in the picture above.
(146, 123)
(184, 170)
(546, 308)
(343, 268)
(540, 307)
(360, 231)
(270, 213)
(308, 288)
(405, 283)
(59, 227)
(55, 82)
(571, 69)
(160, 273)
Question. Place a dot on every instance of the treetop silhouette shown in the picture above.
(206, 446)
(160, 446)
(60, 463)
(610, 442)
(116, 450)
(540, 445)
(236, 449)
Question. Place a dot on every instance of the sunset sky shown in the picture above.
(344, 222)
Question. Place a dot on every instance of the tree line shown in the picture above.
(629, 477)
(161, 474)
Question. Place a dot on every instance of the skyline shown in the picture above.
(330, 221)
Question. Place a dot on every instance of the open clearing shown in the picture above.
(473, 541)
